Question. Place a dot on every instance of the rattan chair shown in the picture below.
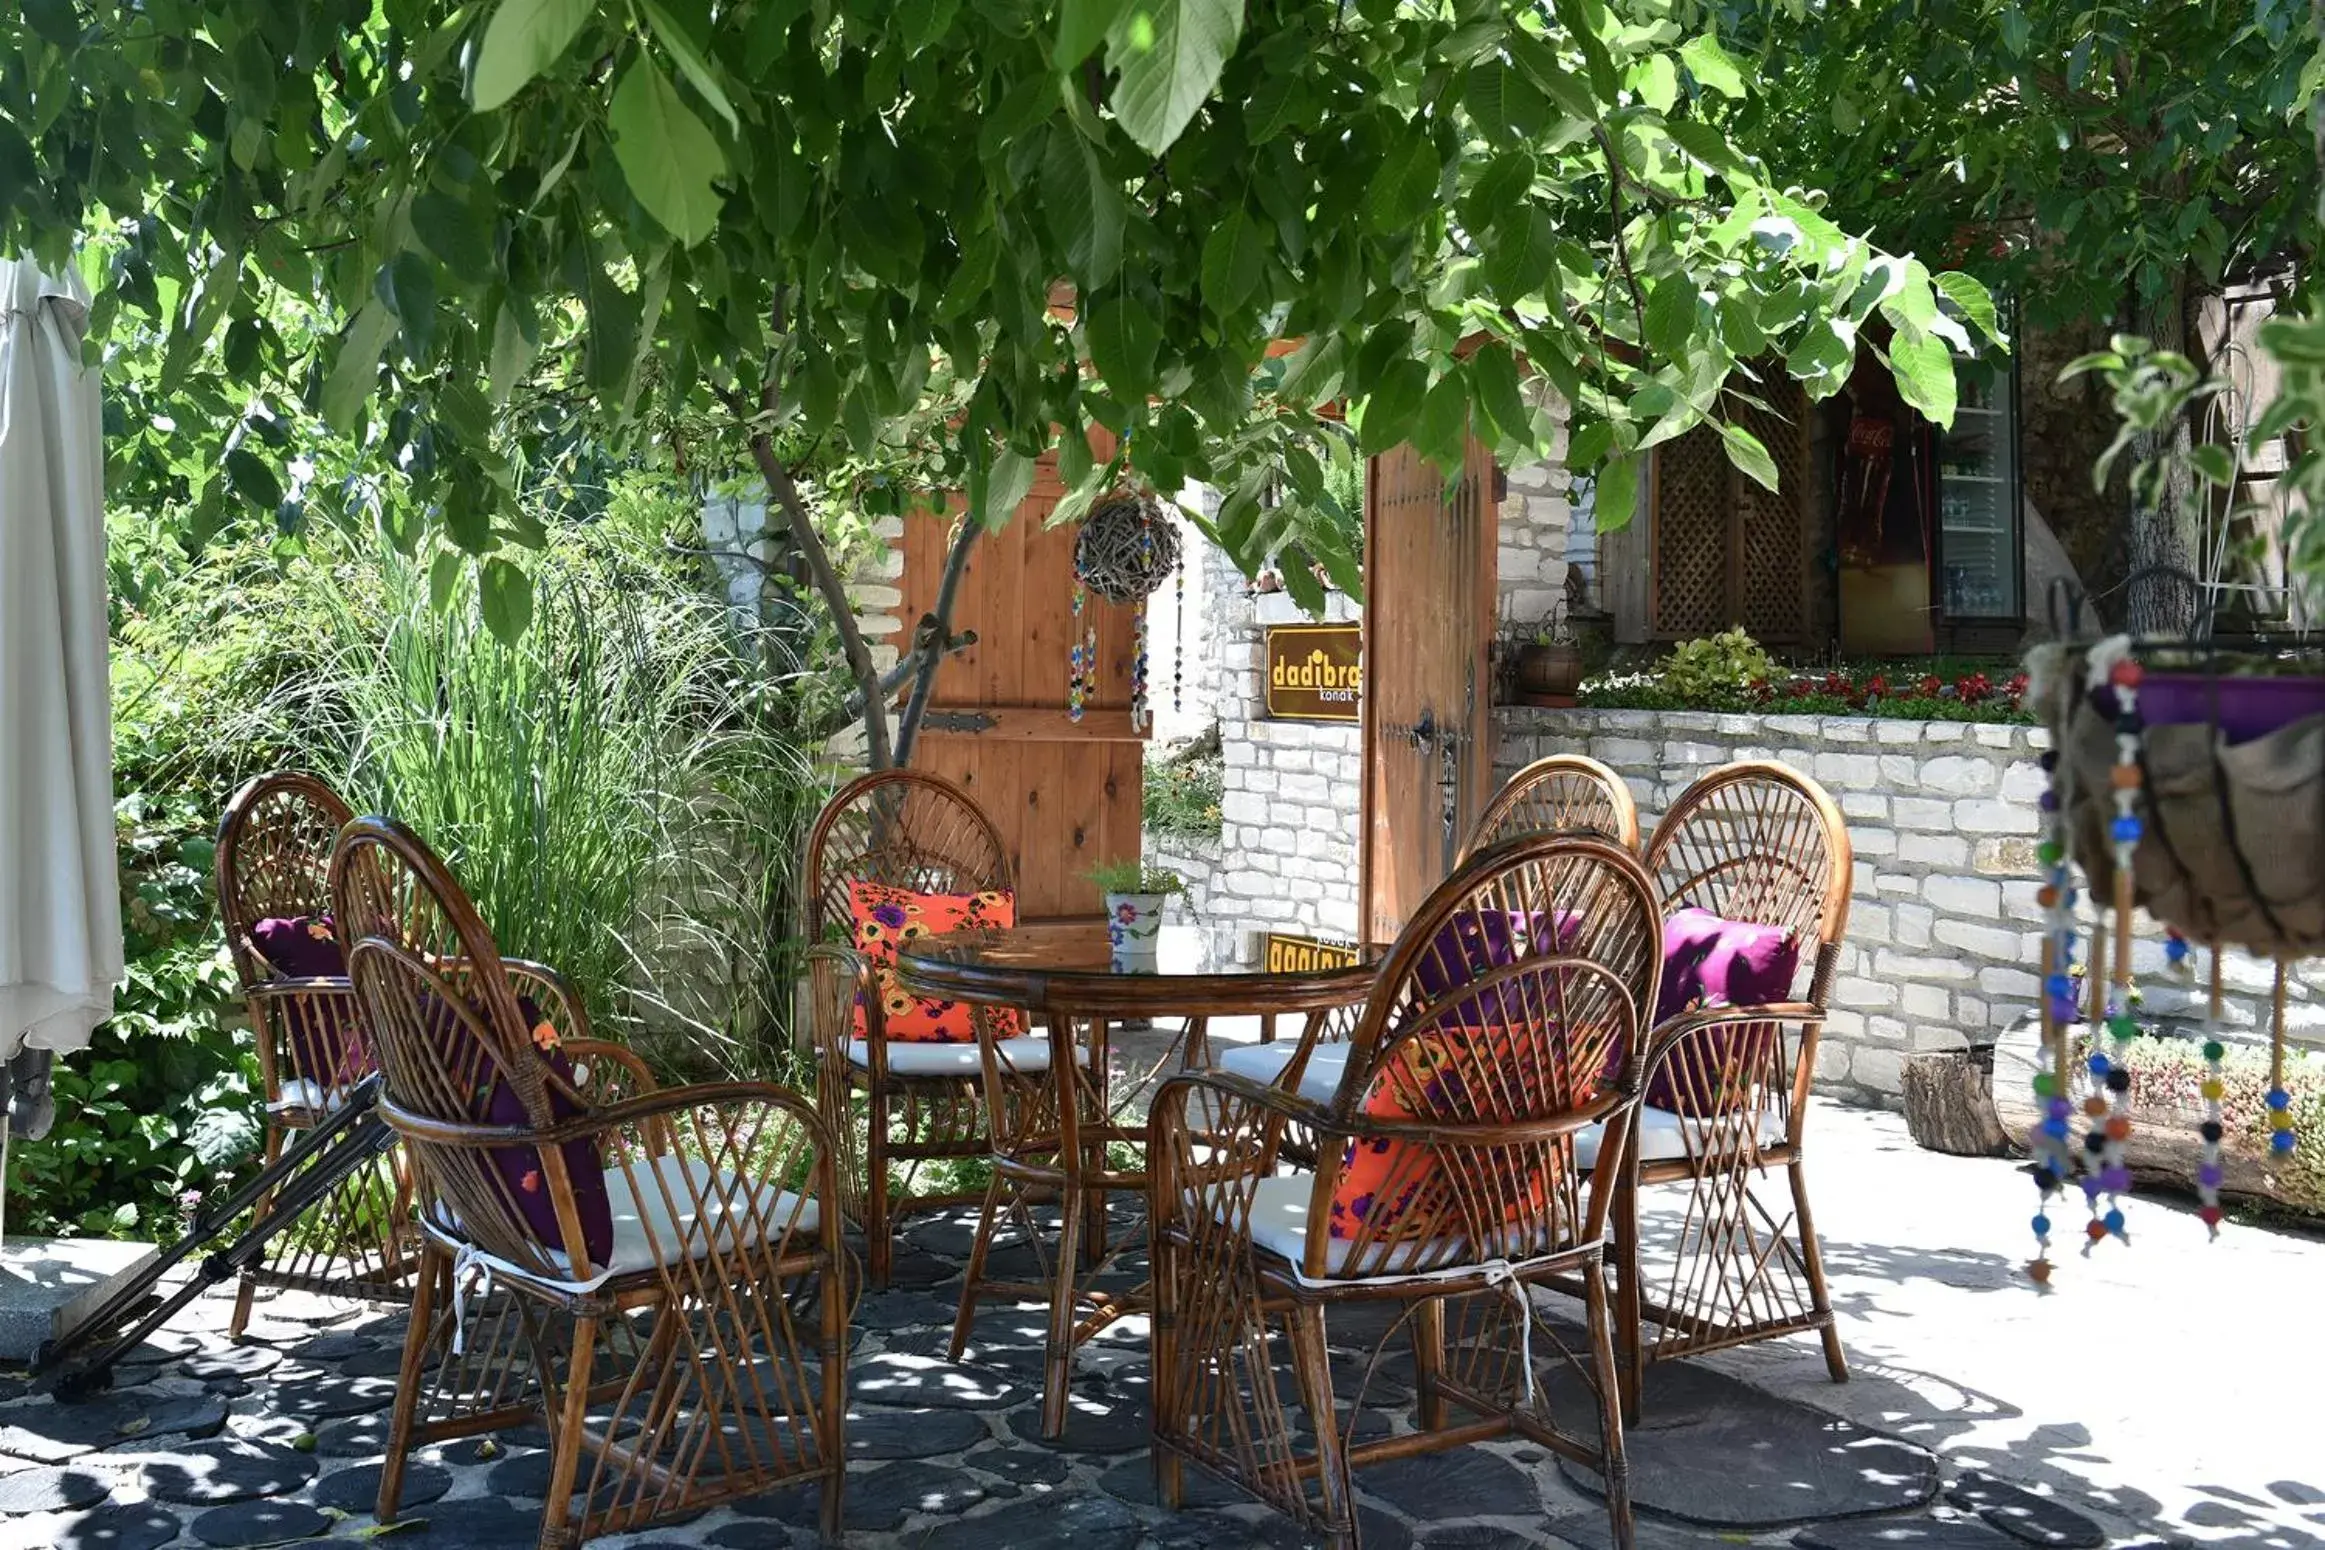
(1467, 1086)
(694, 1356)
(1760, 843)
(1562, 794)
(920, 1102)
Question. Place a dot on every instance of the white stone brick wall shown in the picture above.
(1944, 937)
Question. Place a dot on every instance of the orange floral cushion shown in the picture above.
(1436, 1075)
(885, 919)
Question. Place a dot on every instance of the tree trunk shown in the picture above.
(1949, 1103)
(2165, 537)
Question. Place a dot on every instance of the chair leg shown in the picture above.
(1614, 1467)
(1812, 1259)
(879, 1250)
(434, 1265)
(1058, 1361)
(1312, 1366)
(835, 1397)
(1630, 1360)
(1429, 1361)
(565, 1442)
(246, 1293)
(1170, 1471)
(973, 1278)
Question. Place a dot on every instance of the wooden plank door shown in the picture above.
(1066, 795)
(1429, 588)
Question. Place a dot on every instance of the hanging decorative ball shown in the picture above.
(1127, 546)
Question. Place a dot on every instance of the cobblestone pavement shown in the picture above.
(279, 1439)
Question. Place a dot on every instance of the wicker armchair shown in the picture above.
(1467, 1086)
(1759, 843)
(921, 1102)
(655, 1251)
(1562, 794)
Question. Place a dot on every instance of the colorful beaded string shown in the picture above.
(2109, 1106)
(2047, 1142)
(1138, 705)
(1078, 661)
(2281, 1138)
(1179, 637)
(2214, 1087)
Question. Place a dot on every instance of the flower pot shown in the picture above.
(1544, 669)
(1134, 925)
(2232, 822)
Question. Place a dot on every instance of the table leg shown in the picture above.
(1094, 1152)
(1195, 1053)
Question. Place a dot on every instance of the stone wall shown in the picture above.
(1944, 933)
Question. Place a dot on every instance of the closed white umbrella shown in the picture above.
(60, 908)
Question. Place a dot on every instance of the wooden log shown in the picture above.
(1949, 1103)
(2165, 1110)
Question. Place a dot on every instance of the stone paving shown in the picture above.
(207, 1444)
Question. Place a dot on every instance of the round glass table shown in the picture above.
(1056, 1134)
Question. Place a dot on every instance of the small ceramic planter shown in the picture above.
(1134, 925)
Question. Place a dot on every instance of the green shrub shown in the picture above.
(1718, 668)
(1183, 792)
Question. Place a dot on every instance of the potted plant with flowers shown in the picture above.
(1135, 896)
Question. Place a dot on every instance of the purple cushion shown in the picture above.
(1708, 961)
(520, 1166)
(327, 1044)
(1473, 943)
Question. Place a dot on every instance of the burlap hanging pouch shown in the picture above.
(2232, 848)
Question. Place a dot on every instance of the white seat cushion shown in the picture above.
(1265, 1063)
(303, 1093)
(1668, 1137)
(1279, 1226)
(1028, 1053)
(665, 1226)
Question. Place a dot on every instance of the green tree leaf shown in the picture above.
(356, 369)
(1974, 300)
(666, 153)
(1924, 369)
(1407, 185)
(1006, 487)
(1123, 337)
(506, 593)
(1232, 263)
(1671, 313)
(523, 39)
(1083, 206)
(452, 230)
(1749, 454)
(1618, 492)
(1493, 373)
(253, 480)
(512, 351)
(1713, 67)
(1082, 26)
(444, 573)
(55, 21)
(1393, 406)
(673, 32)
(1168, 55)
(1656, 80)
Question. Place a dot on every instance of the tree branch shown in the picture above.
(1615, 217)
(933, 628)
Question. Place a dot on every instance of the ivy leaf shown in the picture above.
(1924, 369)
(1713, 67)
(1671, 315)
(681, 40)
(1749, 454)
(666, 153)
(507, 595)
(1168, 55)
(1618, 492)
(1232, 263)
(1082, 25)
(356, 370)
(1392, 406)
(524, 38)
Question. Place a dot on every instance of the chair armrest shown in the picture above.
(625, 1074)
(1211, 1135)
(839, 981)
(1667, 1040)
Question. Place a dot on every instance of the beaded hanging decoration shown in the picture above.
(1079, 659)
(1139, 710)
(2112, 666)
(1179, 639)
(2047, 1142)
(2209, 1133)
(2281, 1136)
(1126, 546)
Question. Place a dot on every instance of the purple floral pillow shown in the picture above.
(1473, 943)
(1707, 962)
(327, 1044)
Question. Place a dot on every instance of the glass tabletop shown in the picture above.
(1072, 966)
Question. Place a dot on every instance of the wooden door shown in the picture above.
(1726, 551)
(1065, 794)
(1429, 588)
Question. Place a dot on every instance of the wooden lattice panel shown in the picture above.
(1693, 502)
(1771, 577)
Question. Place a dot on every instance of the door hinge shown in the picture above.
(957, 721)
